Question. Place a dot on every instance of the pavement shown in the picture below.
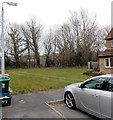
(60, 108)
(38, 105)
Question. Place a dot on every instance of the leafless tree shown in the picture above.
(50, 45)
(16, 47)
(65, 45)
(79, 40)
(48, 48)
(85, 30)
(27, 41)
(34, 35)
(74, 43)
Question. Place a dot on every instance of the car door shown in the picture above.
(89, 96)
(106, 100)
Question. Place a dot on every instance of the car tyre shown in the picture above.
(69, 100)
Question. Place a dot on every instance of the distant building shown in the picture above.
(106, 57)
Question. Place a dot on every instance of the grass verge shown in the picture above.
(43, 79)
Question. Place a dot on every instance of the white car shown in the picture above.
(94, 96)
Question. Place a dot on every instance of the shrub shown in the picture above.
(92, 73)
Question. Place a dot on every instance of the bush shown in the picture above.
(92, 73)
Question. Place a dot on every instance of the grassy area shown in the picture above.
(33, 80)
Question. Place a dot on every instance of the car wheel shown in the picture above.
(69, 100)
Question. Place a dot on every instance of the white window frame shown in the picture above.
(109, 66)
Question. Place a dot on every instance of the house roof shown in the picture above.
(106, 53)
(110, 35)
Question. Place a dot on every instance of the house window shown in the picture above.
(106, 62)
(111, 43)
(109, 62)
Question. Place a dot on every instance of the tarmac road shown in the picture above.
(33, 105)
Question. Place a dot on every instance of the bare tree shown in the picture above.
(34, 35)
(50, 45)
(65, 45)
(27, 40)
(54, 50)
(16, 44)
(48, 48)
(85, 30)
(79, 40)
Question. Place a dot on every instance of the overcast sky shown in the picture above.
(51, 12)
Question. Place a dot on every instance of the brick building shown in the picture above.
(106, 57)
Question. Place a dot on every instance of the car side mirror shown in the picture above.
(81, 85)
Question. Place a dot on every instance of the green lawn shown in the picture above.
(33, 80)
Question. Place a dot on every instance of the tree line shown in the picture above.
(74, 43)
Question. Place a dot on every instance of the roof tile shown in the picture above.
(106, 53)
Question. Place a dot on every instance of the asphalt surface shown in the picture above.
(67, 113)
(33, 105)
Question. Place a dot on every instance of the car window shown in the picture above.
(97, 83)
(110, 85)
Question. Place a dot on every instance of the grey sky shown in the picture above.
(51, 12)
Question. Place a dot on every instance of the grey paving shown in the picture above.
(33, 106)
(69, 113)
